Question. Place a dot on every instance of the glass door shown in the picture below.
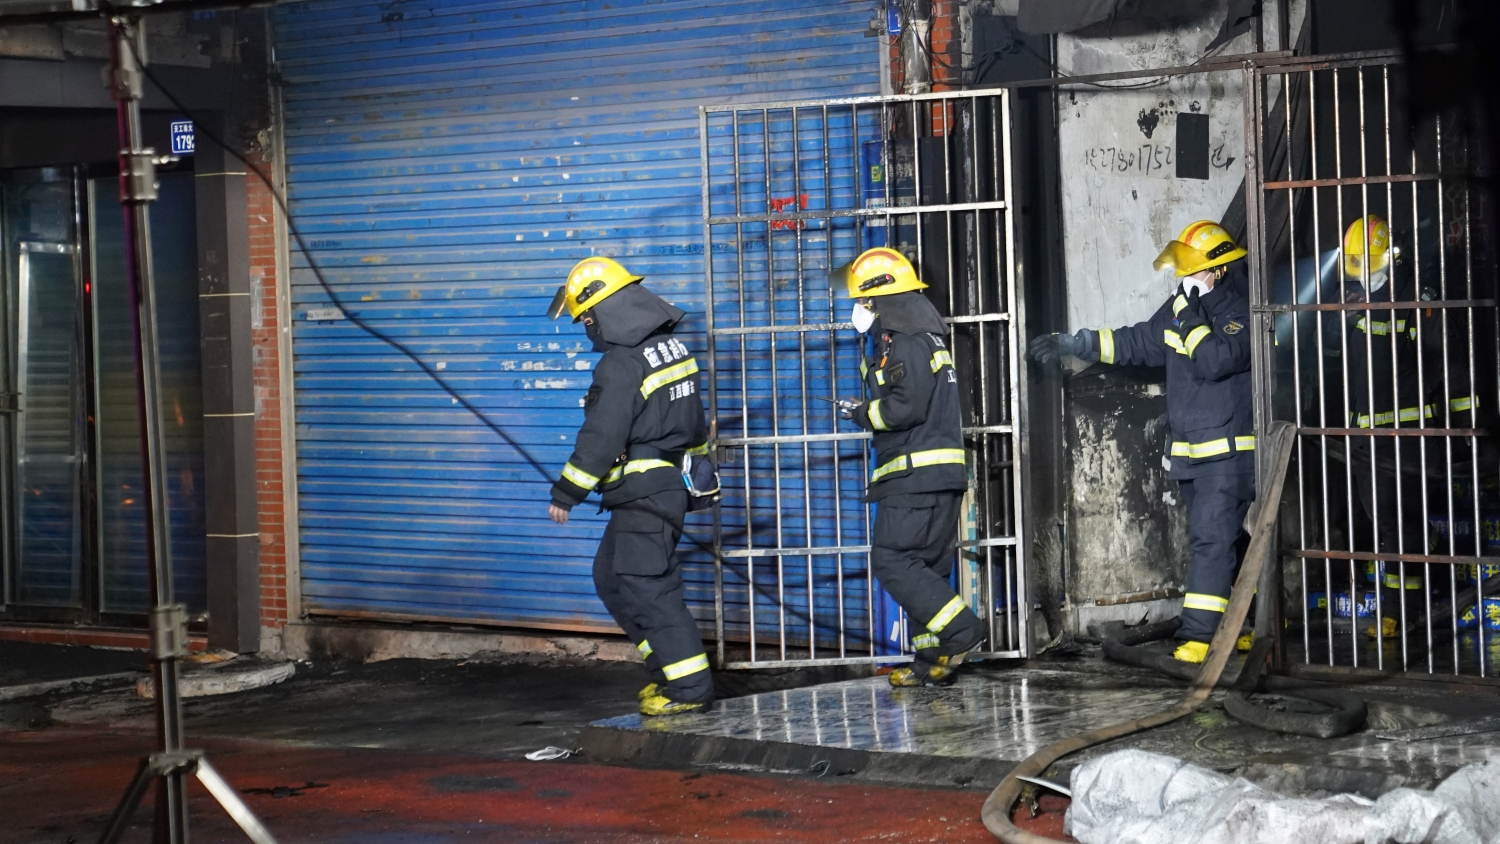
(70, 473)
(45, 416)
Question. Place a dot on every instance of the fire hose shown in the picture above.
(997, 807)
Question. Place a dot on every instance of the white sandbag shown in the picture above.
(1135, 797)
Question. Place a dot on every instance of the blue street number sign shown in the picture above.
(182, 137)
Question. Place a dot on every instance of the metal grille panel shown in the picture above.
(1393, 519)
(792, 190)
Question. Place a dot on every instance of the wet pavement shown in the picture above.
(409, 750)
(971, 733)
(59, 786)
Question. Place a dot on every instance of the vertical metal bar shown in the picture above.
(740, 286)
(1473, 394)
(1297, 385)
(1376, 565)
(807, 513)
(713, 384)
(1262, 325)
(833, 349)
(1422, 390)
(772, 340)
(1447, 384)
(1312, 124)
(1019, 602)
(1338, 172)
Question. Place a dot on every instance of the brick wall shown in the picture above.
(268, 452)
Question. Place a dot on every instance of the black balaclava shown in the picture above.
(907, 313)
(629, 316)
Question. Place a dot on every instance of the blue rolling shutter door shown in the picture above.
(448, 162)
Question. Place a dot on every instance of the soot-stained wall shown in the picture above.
(1139, 160)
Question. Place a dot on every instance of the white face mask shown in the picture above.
(1379, 278)
(862, 317)
(1189, 284)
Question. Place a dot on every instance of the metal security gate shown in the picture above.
(791, 190)
(1392, 527)
(448, 164)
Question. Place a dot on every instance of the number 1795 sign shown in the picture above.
(182, 137)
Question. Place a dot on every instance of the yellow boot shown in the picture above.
(650, 691)
(1243, 643)
(940, 673)
(1194, 652)
(662, 705)
(1387, 629)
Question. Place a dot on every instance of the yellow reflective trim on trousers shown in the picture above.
(644, 648)
(925, 640)
(1393, 581)
(1195, 337)
(941, 359)
(676, 372)
(635, 466)
(1198, 451)
(1459, 405)
(1244, 443)
(1173, 341)
(574, 475)
(876, 420)
(691, 665)
(949, 612)
(1106, 345)
(1211, 603)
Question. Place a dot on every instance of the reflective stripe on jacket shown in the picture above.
(914, 414)
(1209, 411)
(642, 413)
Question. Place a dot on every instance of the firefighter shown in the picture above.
(642, 415)
(1404, 346)
(920, 472)
(1200, 334)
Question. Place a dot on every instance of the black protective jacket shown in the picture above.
(643, 411)
(914, 410)
(1396, 358)
(1210, 415)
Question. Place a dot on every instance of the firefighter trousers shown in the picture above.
(912, 556)
(1217, 505)
(638, 578)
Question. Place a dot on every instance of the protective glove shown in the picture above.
(1048, 349)
(1192, 316)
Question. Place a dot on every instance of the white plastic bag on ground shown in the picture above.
(1135, 797)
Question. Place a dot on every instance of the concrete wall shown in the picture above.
(1122, 198)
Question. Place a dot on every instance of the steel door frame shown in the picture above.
(995, 425)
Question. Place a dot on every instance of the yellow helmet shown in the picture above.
(590, 282)
(1202, 245)
(880, 272)
(1354, 246)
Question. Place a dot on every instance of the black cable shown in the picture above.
(398, 345)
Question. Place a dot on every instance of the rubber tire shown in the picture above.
(1347, 716)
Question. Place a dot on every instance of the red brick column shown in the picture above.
(270, 488)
